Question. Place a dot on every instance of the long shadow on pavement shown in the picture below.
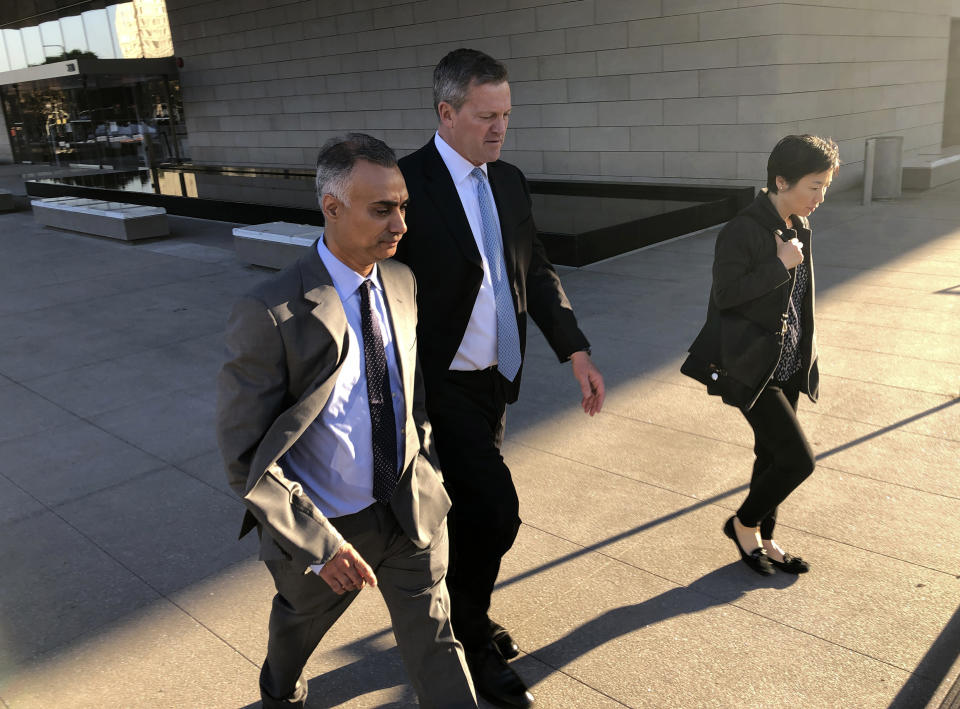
(719, 587)
(932, 668)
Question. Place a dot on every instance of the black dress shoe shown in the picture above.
(495, 680)
(505, 644)
(757, 559)
(791, 564)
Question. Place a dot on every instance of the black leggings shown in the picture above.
(784, 457)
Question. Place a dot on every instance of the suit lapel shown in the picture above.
(313, 395)
(446, 201)
(402, 318)
(506, 215)
(318, 289)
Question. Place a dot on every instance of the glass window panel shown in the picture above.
(96, 23)
(52, 39)
(14, 44)
(112, 25)
(4, 63)
(73, 34)
(32, 45)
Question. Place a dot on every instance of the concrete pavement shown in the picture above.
(123, 584)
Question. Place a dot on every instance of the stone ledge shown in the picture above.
(6, 201)
(116, 220)
(274, 245)
(926, 170)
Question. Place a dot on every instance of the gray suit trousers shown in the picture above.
(412, 581)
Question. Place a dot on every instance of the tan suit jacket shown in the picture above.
(286, 341)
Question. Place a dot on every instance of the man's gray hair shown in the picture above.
(338, 156)
(455, 73)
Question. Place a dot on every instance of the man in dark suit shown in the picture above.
(480, 268)
(322, 427)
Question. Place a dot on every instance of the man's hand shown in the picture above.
(347, 571)
(591, 382)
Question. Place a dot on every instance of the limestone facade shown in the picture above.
(693, 91)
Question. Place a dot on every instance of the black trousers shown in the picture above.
(468, 413)
(784, 458)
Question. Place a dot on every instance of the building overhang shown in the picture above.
(85, 66)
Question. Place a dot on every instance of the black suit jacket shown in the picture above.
(742, 340)
(440, 248)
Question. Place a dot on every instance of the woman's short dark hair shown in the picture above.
(460, 68)
(798, 155)
(338, 156)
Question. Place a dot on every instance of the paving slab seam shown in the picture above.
(948, 400)
(229, 495)
(132, 444)
(122, 272)
(161, 465)
(614, 472)
(712, 502)
(820, 465)
(857, 272)
(950, 574)
(559, 670)
(854, 273)
(899, 306)
(948, 396)
(885, 326)
(653, 346)
(118, 562)
(732, 604)
(123, 330)
(151, 287)
(25, 383)
(825, 290)
(107, 360)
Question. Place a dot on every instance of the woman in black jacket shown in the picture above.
(757, 349)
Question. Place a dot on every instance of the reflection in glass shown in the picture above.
(52, 38)
(73, 35)
(96, 120)
(129, 30)
(32, 45)
(100, 40)
(14, 45)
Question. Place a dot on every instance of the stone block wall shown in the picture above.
(691, 91)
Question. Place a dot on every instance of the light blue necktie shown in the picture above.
(508, 339)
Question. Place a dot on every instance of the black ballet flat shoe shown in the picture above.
(757, 559)
(791, 564)
(504, 642)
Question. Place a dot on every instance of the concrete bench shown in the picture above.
(6, 200)
(274, 245)
(116, 220)
(923, 171)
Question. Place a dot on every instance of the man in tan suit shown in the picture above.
(322, 427)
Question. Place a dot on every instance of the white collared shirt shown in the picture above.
(333, 459)
(478, 349)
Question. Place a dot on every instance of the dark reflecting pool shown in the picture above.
(579, 222)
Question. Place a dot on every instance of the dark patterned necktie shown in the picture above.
(383, 425)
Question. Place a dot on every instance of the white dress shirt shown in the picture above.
(333, 459)
(478, 349)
